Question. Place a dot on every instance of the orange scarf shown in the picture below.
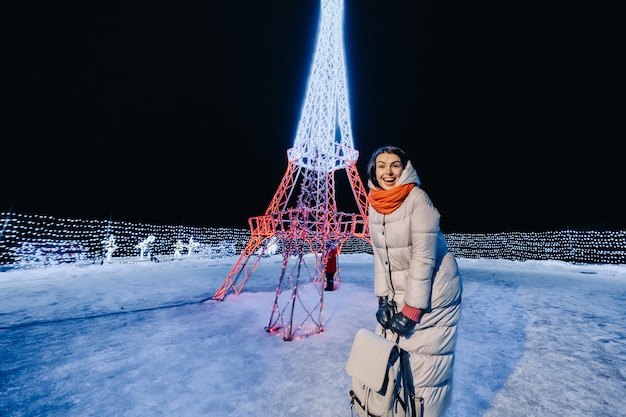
(387, 201)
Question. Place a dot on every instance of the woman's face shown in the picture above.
(388, 170)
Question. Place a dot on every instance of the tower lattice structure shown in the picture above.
(302, 217)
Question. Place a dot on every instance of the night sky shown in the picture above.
(174, 113)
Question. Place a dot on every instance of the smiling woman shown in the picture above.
(416, 277)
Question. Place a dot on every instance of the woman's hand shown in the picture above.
(401, 324)
(386, 310)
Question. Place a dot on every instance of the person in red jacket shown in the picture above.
(331, 267)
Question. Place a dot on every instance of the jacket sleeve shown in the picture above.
(424, 230)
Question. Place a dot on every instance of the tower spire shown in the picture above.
(326, 110)
(303, 216)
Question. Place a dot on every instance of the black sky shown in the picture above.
(169, 113)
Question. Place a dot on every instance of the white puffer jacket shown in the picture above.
(412, 265)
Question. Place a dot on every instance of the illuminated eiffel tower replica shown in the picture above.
(302, 218)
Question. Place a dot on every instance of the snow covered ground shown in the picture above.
(536, 338)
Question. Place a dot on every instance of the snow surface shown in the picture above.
(536, 338)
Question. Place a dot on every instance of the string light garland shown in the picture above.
(39, 241)
(574, 246)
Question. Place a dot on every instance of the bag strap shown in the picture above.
(412, 407)
(407, 383)
(406, 380)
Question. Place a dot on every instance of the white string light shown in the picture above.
(36, 241)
